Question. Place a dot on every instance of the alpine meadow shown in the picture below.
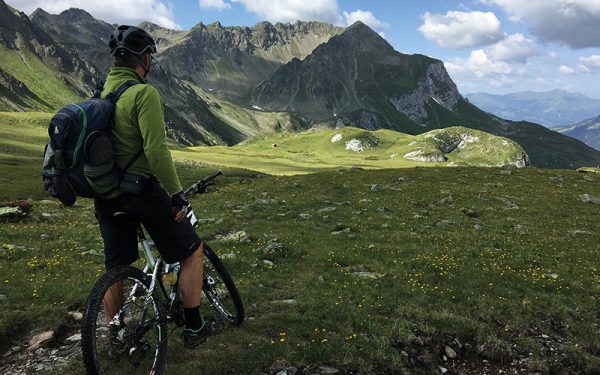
(374, 219)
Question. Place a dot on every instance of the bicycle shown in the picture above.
(134, 338)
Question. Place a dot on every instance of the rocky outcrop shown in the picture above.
(435, 87)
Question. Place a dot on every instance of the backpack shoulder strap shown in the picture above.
(115, 95)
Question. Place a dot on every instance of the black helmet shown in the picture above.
(131, 39)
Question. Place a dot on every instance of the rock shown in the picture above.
(509, 172)
(305, 216)
(39, 340)
(521, 227)
(589, 179)
(327, 209)
(553, 276)
(446, 200)
(286, 301)
(268, 263)
(227, 256)
(273, 246)
(470, 213)
(46, 236)
(377, 187)
(239, 236)
(589, 199)
(328, 370)
(11, 213)
(368, 275)
(443, 370)
(2, 297)
(426, 157)
(75, 338)
(341, 231)
(76, 315)
(444, 222)
(450, 353)
(578, 232)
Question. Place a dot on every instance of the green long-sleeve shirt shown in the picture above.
(139, 123)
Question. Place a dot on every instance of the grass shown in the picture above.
(508, 267)
(50, 92)
(311, 152)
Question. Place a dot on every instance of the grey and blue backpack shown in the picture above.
(78, 159)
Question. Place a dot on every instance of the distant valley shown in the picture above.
(223, 85)
(556, 108)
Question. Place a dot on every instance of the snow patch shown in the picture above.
(257, 107)
(336, 138)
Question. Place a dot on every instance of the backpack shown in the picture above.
(78, 159)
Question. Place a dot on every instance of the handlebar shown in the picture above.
(199, 186)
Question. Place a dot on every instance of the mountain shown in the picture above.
(231, 61)
(37, 72)
(357, 78)
(553, 108)
(189, 119)
(587, 131)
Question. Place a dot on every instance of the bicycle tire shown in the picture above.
(122, 348)
(226, 302)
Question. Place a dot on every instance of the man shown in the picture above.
(139, 142)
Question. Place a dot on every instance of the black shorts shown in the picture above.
(152, 207)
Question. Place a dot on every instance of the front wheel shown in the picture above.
(220, 289)
(124, 329)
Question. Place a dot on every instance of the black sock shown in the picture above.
(193, 320)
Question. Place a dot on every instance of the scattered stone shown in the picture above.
(48, 201)
(446, 200)
(589, 179)
(76, 315)
(521, 227)
(268, 263)
(368, 275)
(2, 297)
(578, 232)
(383, 209)
(509, 172)
(470, 213)
(39, 340)
(321, 279)
(327, 209)
(227, 256)
(273, 246)
(11, 213)
(263, 201)
(589, 199)
(305, 216)
(328, 370)
(341, 231)
(444, 222)
(46, 236)
(365, 201)
(450, 353)
(443, 370)
(551, 275)
(239, 236)
(75, 338)
(377, 187)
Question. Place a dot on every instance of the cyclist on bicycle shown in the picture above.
(157, 199)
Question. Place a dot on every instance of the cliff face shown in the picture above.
(359, 75)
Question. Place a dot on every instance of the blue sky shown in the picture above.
(496, 46)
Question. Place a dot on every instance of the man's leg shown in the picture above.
(190, 287)
(113, 301)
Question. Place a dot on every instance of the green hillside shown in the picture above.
(49, 91)
(314, 151)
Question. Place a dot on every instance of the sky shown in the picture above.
(494, 46)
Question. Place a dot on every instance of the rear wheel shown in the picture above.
(220, 289)
(124, 329)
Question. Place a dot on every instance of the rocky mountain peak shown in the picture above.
(76, 15)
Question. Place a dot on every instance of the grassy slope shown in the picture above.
(314, 151)
(38, 77)
(526, 281)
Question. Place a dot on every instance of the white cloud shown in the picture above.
(292, 10)
(591, 63)
(456, 30)
(575, 23)
(112, 11)
(478, 64)
(214, 4)
(514, 48)
(366, 17)
(566, 69)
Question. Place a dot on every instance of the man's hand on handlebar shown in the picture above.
(180, 205)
